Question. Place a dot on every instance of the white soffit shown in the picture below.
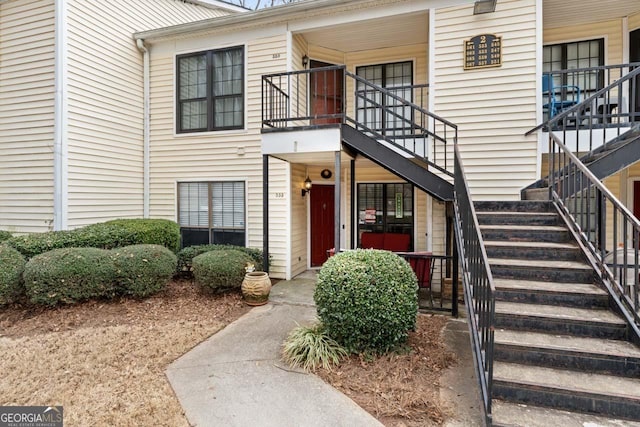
(562, 13)
(378, 33)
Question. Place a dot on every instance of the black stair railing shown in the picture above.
(608, 231)
(330, 95)
(479, 290)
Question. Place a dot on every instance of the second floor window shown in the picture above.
(582, 55)
(210, 89)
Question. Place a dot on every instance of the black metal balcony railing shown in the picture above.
(479, 290)
(329, 95)
(611, 102)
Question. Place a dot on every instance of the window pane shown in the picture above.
(193, 114)
(228, 205)
(228, 112)
(193, 77)
(227, 73)
(193, 204)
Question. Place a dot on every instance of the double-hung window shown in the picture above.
(584, 55)
(212, 213)
(210, 89)
(380, 113)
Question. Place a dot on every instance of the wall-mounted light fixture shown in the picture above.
(307, 186)
(305, 61)
(484, 6)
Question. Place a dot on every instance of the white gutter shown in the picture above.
(145, 131)
(60, 121)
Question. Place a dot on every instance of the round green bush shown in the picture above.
(143, 270)
(5, 235)
(11, 267)
(219, 270)
(69, 275)
(367, 300)
(186, 255)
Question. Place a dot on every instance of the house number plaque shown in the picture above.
(483, 51)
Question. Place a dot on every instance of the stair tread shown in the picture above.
(518, 244)
(523, 227)
(559, 312)
(571, 381)
(597, 346)
(507, 213)
(517, 414)
(559, 287)
(577, 265)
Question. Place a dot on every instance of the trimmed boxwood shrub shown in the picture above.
(186, 256)
(11, 267)
(367, 300)
(69, 275)
(220, 270)
(143, 270)
(105, 235)
(5, 235)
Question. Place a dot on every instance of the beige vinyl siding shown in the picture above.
(325, 54)
(105, 93)
(493, 107)
(611, 31)
(27, 87)
(224, 155)
(634, 21)
(299, 217)
(299, 101)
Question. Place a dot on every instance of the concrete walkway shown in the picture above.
(236, 378)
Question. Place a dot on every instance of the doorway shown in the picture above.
(322, 223)
(634, 86)
(326, 93)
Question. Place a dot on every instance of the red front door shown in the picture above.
(636, 199)
(326, 89)
(322, 224)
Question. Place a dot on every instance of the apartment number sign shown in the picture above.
(482, 51)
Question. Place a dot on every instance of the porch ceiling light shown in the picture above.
(307, 186)
(484, 6)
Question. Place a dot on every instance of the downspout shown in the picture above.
(145, 131)
(60, 121)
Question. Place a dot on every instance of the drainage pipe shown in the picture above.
(145, 131)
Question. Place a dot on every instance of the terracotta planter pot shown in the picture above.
(256, 287)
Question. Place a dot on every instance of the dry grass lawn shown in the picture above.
(105, 361)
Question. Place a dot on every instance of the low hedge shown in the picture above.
(143, 270)
(220, 269)
(70, 275)
(105, 235)
(186, 256)
(5, 235)
(367, 300)
(11, 267)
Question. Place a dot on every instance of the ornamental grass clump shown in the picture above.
(310, 347)
(11, 267)
(220, 270)
(367, 300)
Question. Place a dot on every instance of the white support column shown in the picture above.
(61, 108)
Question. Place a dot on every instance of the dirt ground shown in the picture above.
(400, 389)
(105, 361)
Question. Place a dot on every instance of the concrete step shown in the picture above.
(514, 206)
(585, 295)
(596, 355)
(525, 233)
(541, 270)
(584, 322)
(578, 391)
(508, 414)
(518, 218)
(559, 251)
(536, 194)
